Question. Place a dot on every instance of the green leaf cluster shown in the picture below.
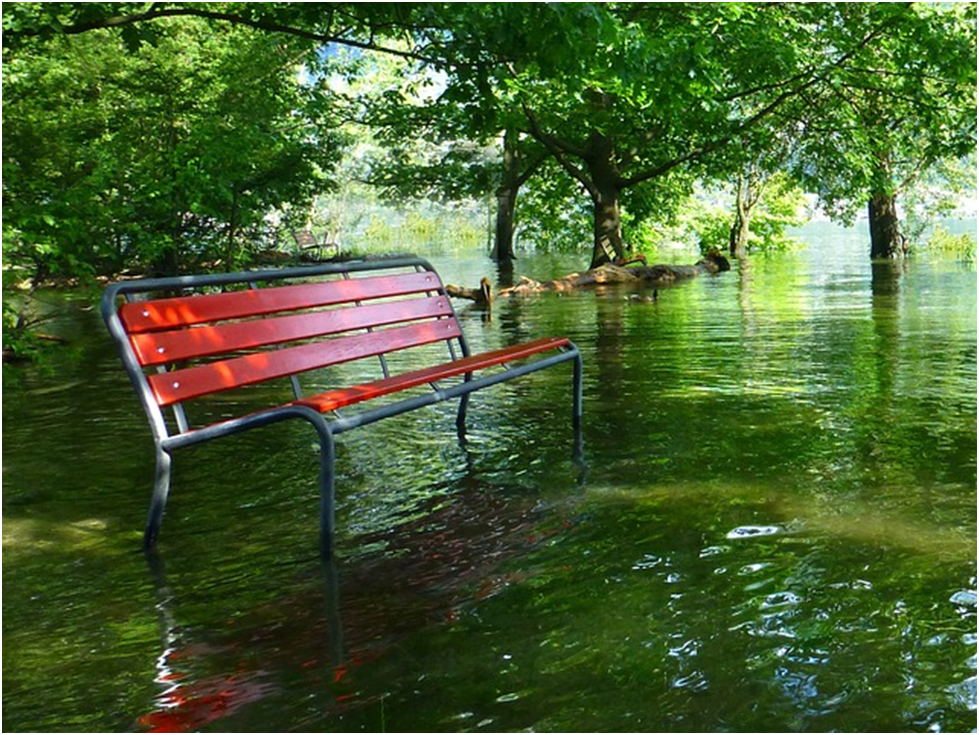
(961, 246)
(163, 156)
(904, 102)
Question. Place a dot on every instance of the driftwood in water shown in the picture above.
(606, 275)
(482, 295)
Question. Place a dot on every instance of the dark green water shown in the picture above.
(776, 531)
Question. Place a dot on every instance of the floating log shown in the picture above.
(605, 275)
(482, 295)
(609, 274)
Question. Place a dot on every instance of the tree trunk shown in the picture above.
(506, 199)
(166, 263)
(742, 220)
(605, 187)
(886, 240)
(229, 256)
(608, 244)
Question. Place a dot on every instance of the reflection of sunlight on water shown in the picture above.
(779, 600)
(966, 598)
(804, 592)
(802, 513)
(753, 531)
(20, 534)
(964, 693)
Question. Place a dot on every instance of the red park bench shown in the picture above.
(186, 338)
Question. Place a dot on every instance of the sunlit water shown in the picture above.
(776, 529)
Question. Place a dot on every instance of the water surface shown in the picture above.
(776, 529)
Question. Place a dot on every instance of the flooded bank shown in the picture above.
(776, 529)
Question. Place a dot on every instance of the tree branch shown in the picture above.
(535, 163)
(764, 112)
(558, 149)
(157, 11)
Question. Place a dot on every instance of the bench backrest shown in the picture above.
(276, 324)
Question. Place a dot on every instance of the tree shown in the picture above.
(430, 144)
(904, 104)
(170, 151)
(642, 96)
(635, 101)
(356, 25)
(765, 195)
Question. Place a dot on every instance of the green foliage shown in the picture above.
(710, 227)
(418, 145)
(142, 135)
(782, 205)
(961, 246)
(703, 220)
(163, 156)
(904, 102)
(441, 230)
(21, 319)
(18, 341)
(938, 193)
(702, 223)
(552, 216)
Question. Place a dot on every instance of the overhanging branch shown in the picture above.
(156, 12)
(559, 148)
(761, 114)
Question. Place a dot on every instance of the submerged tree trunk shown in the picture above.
(608, 245)
(506, 204)
(506, 200)
(606, 275)
(482, 295)
(886, 240)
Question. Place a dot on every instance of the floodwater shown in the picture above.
(776, 529)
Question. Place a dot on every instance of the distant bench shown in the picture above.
(226, 331)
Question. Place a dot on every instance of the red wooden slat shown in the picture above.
(157, 348)
(185, 311)
(335, 399)
(181, 385)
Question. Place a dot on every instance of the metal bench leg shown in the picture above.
(578, 410)
(327, 492)
(161, 489)
(461, 418)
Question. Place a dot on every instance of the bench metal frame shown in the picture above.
(326, 426)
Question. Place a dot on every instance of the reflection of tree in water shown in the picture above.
(919, 425)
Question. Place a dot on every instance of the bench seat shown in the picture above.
(335, 399)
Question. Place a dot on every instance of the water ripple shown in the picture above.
(780, 599)
(964, 693)
(753, 531)
(965, 598)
